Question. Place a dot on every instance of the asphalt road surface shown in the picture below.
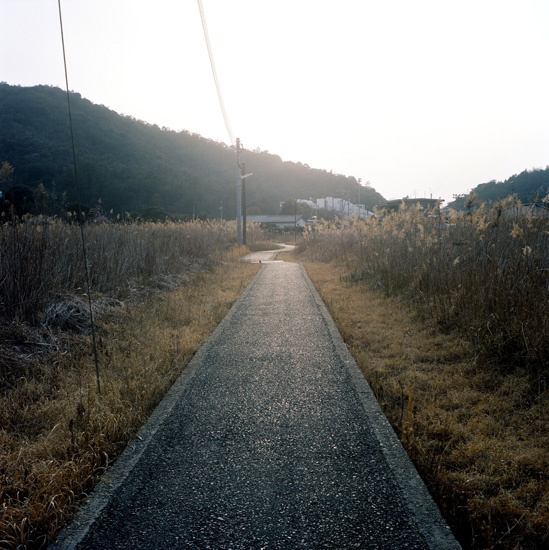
(271, 439)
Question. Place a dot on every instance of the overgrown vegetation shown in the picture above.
(449, 320)
(485, 273)
(158, 292)
(42, 260)
(446, 317)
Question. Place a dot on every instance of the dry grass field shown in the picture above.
(448, 320)
(478, 438)
(57, 434)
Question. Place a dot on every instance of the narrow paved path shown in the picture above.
(267, 255)
(270, 440)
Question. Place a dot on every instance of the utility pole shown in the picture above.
(243, 180)
(295, 221)
(348, 200)
(348, 203)
(238, 196)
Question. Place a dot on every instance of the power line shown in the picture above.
(80, 215)
(214, 72)
(239, 173)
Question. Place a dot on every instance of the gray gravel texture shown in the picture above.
(271, 439)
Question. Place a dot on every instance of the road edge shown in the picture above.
(419, 501)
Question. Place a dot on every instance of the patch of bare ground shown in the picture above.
(479, 437)
(57, 434)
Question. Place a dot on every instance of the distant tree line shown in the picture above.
(126, 165)
(530, 186)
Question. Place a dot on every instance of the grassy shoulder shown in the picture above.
(58, 435)
(478, 437)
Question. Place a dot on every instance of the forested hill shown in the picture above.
(131, 166)
(530, 186)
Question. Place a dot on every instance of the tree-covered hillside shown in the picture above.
(131, 166)
(530, 186)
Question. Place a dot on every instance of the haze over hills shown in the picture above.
(130, 166)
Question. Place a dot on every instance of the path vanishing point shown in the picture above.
(270, 439)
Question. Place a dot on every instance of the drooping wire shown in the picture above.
(80, 214)
(214, 72)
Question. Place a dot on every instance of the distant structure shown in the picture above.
(344, 208)
(279, 222)
(396, 204)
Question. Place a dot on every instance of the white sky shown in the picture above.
(418, 97)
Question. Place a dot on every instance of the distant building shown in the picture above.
(280, 221)
(344, 208)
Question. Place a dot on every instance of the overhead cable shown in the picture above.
(214, 72)
(80, 214)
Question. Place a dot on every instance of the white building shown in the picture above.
(344, 208)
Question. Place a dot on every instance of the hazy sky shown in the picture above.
(418, 97)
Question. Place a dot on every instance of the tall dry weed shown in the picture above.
(484, 272)
(41, 259)
(158, 290)
(476, 436)
(57, 435)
